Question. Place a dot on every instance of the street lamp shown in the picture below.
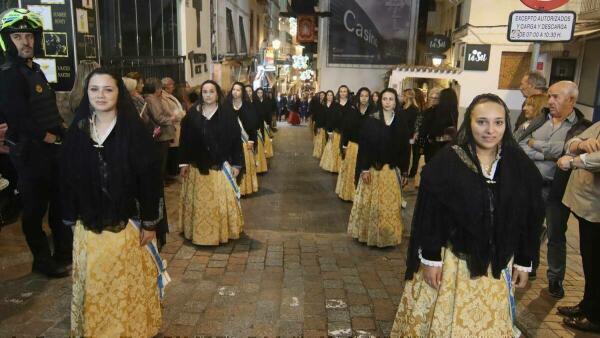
(276, 44)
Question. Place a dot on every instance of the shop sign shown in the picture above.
(306, 28)
(531, 26)
(477, 57)
(438, 44)
(269, 56)
(544, 5)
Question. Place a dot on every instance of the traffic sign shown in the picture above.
(544, 5)
(533, 26)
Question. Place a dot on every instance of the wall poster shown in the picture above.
(57, 57)
(369, 32)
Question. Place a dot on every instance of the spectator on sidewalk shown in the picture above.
(158, 113)
(174, 107)
(532, 83)
(543, 142)
(582, 197)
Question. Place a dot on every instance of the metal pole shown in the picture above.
(535, 53)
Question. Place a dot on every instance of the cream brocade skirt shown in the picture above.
(115, 290)
(261, 158)
(268, 146)
(319, 141)
(332, 159)
(210, 213)
(249, 182)
(462, 307)
(345, 187)
(376, 216)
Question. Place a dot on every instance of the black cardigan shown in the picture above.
(332, 116)
(486, 222)
(380, 144)
(250, 119)
(351, 124)
(208, 143)
(105, 186)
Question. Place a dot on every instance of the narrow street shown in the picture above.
(294, 272)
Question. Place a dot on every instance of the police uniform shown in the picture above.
(29, 105)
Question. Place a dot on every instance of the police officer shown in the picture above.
(34, 134)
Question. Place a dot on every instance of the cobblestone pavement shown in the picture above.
(294, 272)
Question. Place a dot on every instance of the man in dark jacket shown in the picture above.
(34, 134)
(544, 142)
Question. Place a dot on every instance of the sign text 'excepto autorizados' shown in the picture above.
(535, 26)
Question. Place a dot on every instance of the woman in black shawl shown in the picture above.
(351, 124)
(474, 231)
(260, 110)
(318, 116)
(112, 192)
(249, 121)
(331, 158)
(212, 157)
(382, 165)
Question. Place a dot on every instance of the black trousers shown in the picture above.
(589, 239)
(39, 189)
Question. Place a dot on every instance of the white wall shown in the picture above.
(187, 33)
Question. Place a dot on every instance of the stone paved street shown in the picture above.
(294, 272)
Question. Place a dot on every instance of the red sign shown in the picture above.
(306, 28)
(544, 5)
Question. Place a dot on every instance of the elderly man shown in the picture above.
(532, 83)
(173, 106)
(543, 141)
(582, 196)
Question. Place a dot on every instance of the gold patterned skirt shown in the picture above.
(345, 187)
(462, 307)
(115, 291)
(268, 146)
(332, 159)
(261, 157)
(319, 143)
(209, 213)
(376, 216)
(249, 182)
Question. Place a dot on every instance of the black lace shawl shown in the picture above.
(106, 186)
(380, 144)
(206, 143)
(486, 222)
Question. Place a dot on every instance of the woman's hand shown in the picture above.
(366, 177)
(403, 180)
(250, 145)
(519, 278)
(183, 171)
(146, 236)
(432, 275)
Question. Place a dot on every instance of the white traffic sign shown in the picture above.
(533, 26)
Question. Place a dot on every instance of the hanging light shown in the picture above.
(276, 44)
(437, 61)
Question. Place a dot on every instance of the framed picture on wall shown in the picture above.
(55, 44)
